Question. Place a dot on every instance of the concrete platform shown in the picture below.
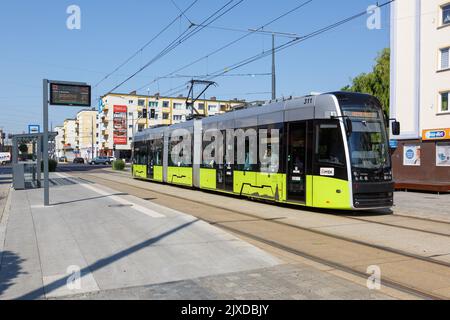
(114, 240)
(415, 205)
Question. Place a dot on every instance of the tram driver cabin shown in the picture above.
(325, 151)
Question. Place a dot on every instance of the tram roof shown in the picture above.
(271, 112)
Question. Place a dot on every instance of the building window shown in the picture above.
(153, 104)
(444, 59)
(446, 14)
(178, 106)
(141, 102)
(177, 117)
(165, 104)
(165, 116)
(212, 108)
(130, 101)
(156, 116)
(444, 102)
(201, 106)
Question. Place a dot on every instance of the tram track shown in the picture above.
(333, 235)
(401, 269)
(402, 226)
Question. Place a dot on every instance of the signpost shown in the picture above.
(34, 129)
(62, 93)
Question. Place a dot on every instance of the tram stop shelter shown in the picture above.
(27, 165)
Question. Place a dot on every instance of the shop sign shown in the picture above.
(436, 134)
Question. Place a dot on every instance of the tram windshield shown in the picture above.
(368, 141)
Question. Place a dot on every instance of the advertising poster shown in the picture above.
(120, 125)
(443, 155)
(411, 155)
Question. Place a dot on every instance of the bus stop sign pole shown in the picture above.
(45, 144)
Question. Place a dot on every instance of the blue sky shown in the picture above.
(36, 44)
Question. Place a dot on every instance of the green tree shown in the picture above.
(377, 82)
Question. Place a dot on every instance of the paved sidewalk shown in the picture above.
(332, 222)
(423, 205)
(129, 248)
(116, 240)
(282, 282)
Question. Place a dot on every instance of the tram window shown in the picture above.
(250, 157)
(184, 158)
(329, 145)
(270, 149)
(140, 154)
(157, 150)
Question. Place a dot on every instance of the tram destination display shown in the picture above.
(70, 95)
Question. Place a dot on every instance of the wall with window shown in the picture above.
(435, 69)
(420, 78)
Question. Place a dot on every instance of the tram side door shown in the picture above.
(296, 158)
(150, 161)
(224, 172)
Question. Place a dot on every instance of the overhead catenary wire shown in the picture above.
(147, 44)
(229, 44)
(188, 33)
(284, 46)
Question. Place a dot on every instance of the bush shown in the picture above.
(52, 165)
(118, 165)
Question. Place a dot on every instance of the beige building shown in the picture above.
(122, 115)
(86, 134)
(420, 86)
(70, 138)
(59, 144)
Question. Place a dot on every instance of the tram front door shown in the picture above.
(296, 168)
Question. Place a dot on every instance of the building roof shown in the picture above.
(165, 97)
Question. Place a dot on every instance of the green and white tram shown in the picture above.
(332, 152)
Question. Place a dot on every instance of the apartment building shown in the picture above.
(70, 139)
(59, 144)
(122, 115)
(420, 87)
(86, 134)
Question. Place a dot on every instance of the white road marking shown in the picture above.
(120, 200)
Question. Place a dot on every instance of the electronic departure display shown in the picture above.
(70, 95)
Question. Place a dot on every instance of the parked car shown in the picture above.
(112, 159)
(5, 157)
(78, 160)
(100, 160)
(62, 159)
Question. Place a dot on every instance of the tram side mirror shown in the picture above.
(396, 128)
(349, 126)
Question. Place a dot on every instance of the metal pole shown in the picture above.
(45, 143)
(39, 160)
(274, 93)
(92, 138)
